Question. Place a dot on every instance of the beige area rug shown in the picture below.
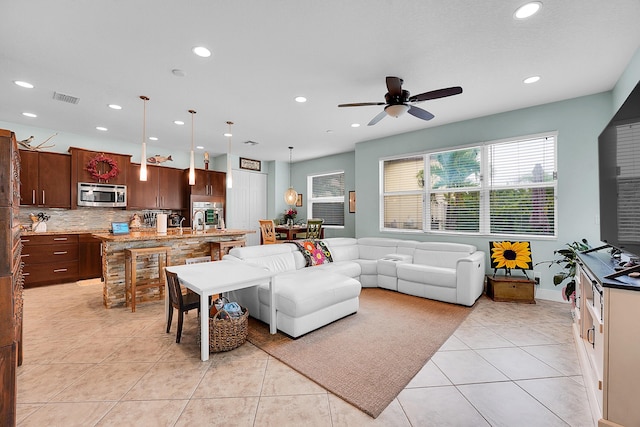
(369, 357)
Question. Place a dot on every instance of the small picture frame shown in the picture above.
(299, 200)
(352, 202)
(250, 164)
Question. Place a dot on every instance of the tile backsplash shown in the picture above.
(81, 219)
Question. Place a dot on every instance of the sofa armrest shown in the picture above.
(470, 272)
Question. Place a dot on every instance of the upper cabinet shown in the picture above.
(112, 166)
(208, 183)
(163, 188)
(45, 179)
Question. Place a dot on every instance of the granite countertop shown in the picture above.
(171, 234)
(58, 232)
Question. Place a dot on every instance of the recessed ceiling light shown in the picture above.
(115, 107)
(199, 147)
(527, 10)
(227, 134)
(153, 138)
(201, 51)
(355, 125)
(301, 99)
(101, 128)
(29, 114)
(23, 84)
(178, 122)
(531, 79)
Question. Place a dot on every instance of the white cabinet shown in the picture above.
(607, 316)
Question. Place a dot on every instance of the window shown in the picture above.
(498, 188)
(326, 198)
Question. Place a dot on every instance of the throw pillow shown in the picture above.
(315, 252)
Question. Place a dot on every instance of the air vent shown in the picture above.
(251, 142)
(65, 98)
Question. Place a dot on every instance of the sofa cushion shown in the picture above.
(279, 258)
(427, 274)
(348, 268)
(315, 252)
(309, 290)
(441, 254)
(342, 248)
(374, 248)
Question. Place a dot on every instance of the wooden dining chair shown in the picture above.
(268, 230)
(180, 302)
(314, 226)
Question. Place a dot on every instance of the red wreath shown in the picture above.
(92, 167)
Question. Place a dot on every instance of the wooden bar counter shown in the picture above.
(185, 244)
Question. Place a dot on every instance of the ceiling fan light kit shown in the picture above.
(399, 101)
(396, 110)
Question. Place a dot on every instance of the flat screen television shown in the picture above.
(619, 176)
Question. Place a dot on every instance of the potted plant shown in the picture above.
(568, 260)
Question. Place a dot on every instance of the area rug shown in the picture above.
(369, 357)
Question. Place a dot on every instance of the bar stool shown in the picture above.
(130, 272)
(218, 249)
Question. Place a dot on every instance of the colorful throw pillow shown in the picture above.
(315, 252)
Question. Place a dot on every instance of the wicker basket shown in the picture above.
(227, 334)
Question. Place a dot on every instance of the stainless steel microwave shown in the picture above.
(102, 195)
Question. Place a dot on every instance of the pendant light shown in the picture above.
(290, 196)
(229, 135)
(192, 168)
(143, 160)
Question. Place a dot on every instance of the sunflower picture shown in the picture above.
(509, 255)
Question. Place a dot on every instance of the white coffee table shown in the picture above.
(209, 278)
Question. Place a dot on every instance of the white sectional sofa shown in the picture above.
(308, 298)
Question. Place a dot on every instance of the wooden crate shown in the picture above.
(511, 288)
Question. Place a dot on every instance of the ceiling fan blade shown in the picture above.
(394, 86)
(361, 104)
(420, 113)
(434, 94)
(377, 118)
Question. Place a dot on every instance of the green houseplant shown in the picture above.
(568, 258)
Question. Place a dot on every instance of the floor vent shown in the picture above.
(65, 98)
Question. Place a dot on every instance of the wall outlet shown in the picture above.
(536, 278)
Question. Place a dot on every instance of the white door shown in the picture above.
(247, 203)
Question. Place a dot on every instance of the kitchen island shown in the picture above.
(184, 244)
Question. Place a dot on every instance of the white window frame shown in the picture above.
(484, 190)
(335, 199)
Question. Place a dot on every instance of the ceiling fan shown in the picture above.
(398, 101)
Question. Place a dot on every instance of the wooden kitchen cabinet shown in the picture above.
(49, 259)
(163, 189)
(89, 257)
(45, 179)
(80, 158)
(11, 295)
(208, 183)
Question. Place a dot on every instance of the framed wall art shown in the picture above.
(253, 165)
(352, 202)
(299, 200)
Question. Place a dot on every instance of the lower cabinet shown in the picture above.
(59, 258)
(606, 318)
(89, 257)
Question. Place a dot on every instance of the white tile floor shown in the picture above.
(507, 365)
